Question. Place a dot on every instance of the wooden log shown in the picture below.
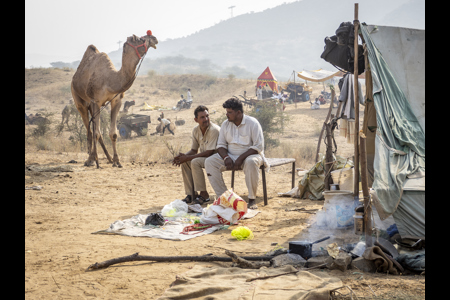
(365, 190)
(323, 127)
(355, 85)
(245, 264)
(328, 157)
(137, 257)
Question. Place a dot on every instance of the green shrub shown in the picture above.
(271, 120)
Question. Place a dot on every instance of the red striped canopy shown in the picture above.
(267, 79)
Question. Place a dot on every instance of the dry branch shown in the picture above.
(287, 273)
(245, 264)
(137, 257)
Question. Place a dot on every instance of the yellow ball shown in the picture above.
(242, 233)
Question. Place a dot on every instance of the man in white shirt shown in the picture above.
(259, 93)
(189, 96)
(240, 146)
(165, 124)
(204, 141)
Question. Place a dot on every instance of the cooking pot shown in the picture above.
(303, 248)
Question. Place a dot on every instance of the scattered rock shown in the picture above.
(35, 187)
(319, 260)
(364, 265)
(341, 262)
(287, 259)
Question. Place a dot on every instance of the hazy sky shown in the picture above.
(64, 28)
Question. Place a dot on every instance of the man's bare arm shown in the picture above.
(242, 157)
(229, 163)
(191, 154)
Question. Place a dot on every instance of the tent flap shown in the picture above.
(400, 138)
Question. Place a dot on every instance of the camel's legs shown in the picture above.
(95, 111)
(83, 109)
(115, 107)
(100, 140)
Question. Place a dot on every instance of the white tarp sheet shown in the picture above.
(317, 75)
(403, 50)
(397, 61)
(135, 226)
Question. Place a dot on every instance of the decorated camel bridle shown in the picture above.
(136, 48)
(149, 32)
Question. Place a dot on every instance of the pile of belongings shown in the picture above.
(311, 184)
(180, 221)
(145, 106)
(228, 209)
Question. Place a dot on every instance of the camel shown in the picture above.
(128, 104)
(97, 82)
(66, 112)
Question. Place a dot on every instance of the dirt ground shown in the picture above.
(61, 217)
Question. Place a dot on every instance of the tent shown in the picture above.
(317, 75)
(267, 78)
(394, 123)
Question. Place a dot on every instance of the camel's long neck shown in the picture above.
(125, 76)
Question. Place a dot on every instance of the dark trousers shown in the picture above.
(168, 128)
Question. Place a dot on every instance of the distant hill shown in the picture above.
(286, 38)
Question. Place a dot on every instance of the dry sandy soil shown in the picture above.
(61, 217)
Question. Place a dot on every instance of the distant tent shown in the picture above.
(317, 75)
(267, 78)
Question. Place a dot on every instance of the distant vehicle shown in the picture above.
(298, 91)
(133, 122)
(183, 103)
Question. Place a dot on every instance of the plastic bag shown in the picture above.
(228, 209)
(176, 208)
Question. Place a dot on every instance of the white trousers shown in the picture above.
(193, 176)
(214, 166)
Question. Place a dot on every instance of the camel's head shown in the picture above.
(138, 43)
(150, 39)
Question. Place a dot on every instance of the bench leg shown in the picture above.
(293, 174)
(263, 171)
(232, 179)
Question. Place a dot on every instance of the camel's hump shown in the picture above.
(92, 49)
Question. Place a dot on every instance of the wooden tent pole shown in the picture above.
(295, 94)
(365, 190)
(323, 126)
(328, 157)
(355, 85)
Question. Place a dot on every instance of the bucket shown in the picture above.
(346, 180)
(340, 207)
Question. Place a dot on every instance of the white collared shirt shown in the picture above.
(238, 139)
(165, 122)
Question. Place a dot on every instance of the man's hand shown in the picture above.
(240, 160)
(229, 163)
(238, 164)
(182, 158)
(176, 160)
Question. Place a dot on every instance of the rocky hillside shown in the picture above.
(286, 38)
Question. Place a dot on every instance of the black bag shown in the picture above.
(155, 219)
(339, 49)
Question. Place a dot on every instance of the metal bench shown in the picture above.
(273, 162)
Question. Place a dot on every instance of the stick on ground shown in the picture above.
(137, 257)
